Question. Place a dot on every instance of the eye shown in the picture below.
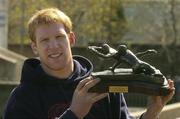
(44, 39)
(60, 36)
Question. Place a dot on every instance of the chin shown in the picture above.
(57, 67)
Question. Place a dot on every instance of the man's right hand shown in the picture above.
(82, 99)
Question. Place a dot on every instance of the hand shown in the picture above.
(156, 103)
(82, 99)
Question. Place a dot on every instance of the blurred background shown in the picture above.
(139, 24)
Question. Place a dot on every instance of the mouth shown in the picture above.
(57, 55)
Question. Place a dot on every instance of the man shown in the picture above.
(56, 85)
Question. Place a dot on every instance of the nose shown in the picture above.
(53, 43)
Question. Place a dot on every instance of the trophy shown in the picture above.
(141, 77)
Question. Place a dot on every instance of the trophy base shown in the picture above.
(124, 81)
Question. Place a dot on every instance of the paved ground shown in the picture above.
(135, 109)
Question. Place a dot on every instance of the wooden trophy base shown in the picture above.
(125, 81)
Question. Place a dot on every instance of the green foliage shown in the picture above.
(93, 20)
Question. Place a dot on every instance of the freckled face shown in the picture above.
(53, 46)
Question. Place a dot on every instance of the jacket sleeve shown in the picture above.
(21, 106)
(16, 110)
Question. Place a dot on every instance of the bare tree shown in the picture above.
(170, 48)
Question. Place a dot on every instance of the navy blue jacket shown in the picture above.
(41, 96)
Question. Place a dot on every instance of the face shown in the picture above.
(53, 46)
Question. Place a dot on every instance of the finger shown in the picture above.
(171, 87)
(172, 92)
(168, 97)
(83, 82)
(90, 84)
(171, 83)
(99, 96)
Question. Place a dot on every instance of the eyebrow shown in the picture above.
(58, 34)
(41, 38)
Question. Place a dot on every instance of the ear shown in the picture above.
(34, 47)
(72, 38)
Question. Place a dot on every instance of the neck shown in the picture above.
(62, 73)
